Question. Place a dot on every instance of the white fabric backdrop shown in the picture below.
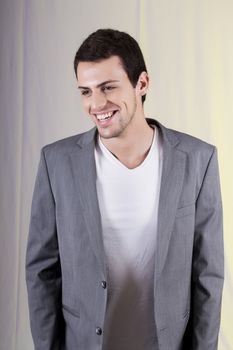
(188, 48)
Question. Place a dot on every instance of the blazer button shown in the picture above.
(104, 284)
(98, 331)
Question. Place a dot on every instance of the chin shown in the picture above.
(108, 134)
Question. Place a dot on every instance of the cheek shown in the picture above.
(115, 97)
(85, 104)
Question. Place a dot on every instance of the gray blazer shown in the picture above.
(66, 270)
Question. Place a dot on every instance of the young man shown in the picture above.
(125, 246)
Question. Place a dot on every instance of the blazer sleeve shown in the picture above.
(208, 261)
(43, 270)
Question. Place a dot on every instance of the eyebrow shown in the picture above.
(100, 85)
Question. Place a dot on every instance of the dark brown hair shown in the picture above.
(104, 43)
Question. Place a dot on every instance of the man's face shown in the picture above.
(108, 96)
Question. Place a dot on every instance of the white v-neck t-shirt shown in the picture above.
(128, 202)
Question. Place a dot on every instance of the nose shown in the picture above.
(98, 101)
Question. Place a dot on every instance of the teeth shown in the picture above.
(104, 116)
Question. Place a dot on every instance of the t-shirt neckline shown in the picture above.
(114, 159)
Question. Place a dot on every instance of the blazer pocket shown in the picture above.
(71, 311)
(186, 210)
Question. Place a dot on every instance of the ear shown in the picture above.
(142, 84)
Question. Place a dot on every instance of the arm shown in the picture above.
(43, 271)
(208, 262)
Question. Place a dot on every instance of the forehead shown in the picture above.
(89, 73)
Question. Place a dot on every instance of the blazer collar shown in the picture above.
(167, 134)
(87, 137)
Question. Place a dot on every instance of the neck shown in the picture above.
(132, 147)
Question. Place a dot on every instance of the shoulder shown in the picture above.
(67, 145)
(184, 142)
(198, 153)
(188, 143)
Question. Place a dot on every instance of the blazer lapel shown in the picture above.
(83, 163)
(170, 190)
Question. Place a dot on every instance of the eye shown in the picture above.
(108, 88)
(85, 92)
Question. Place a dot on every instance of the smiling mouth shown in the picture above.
(105, 116)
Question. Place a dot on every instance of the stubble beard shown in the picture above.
(121, 127)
